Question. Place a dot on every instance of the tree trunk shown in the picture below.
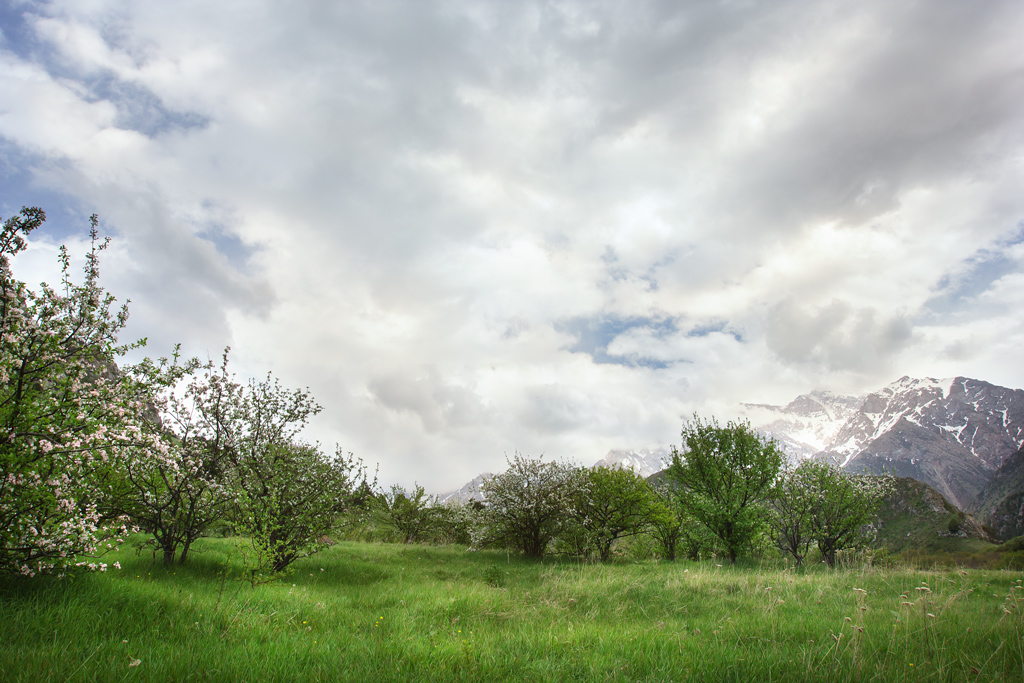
(184, 551)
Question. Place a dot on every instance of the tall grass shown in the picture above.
(366, 612)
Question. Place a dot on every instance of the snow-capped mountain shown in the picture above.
(644, 462)
(808, 424)
(986, 420)
(951, 434)
(469, 492)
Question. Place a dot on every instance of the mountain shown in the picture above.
(910, 450)
(469, 492)
(951, 434)
(984, 419)
(1000, 504)
(644, 462)
(808, 424)
(914, 515)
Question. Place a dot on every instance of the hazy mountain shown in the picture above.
(644, 462)
(470, 491)
(952, 434)
(808, 424)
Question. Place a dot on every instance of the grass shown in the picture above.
(373, 612)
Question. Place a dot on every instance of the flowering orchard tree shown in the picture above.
(67, 414)
(289, 497)
(177, 492)
(528, 505)
(818, 503)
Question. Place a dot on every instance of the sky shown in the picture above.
(480, 228)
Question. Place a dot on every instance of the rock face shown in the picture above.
(1001, 502)
(986, 420)
(910, 450)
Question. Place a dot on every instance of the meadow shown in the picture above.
(388, 612)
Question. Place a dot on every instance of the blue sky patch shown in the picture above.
(956, 292)
(594, 334)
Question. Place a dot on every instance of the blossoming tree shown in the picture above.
(67, 413)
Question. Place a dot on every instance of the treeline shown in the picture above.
(726, 494)
(93, 448)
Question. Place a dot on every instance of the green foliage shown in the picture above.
(722, 479)
(410, 513)
(793, 502)
(289, 496)
(610, 503)
(846, 505)
(818, 503)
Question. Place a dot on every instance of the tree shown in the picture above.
(678, 531)
(528, 504)
(287, 493)
(67, 413)
(844, 505)
(289, 496)
(793, 502)
(722, 477)
(612, 503)
(181, 490)
(409, 512)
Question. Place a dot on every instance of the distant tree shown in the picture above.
(611, 503)
(794, 500)
(722, 477)
(527, 504)
(410, 513)
(843, 507)
(453, 523)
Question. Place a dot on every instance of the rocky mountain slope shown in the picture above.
(1000, 504)
(914, 515)
(951, 434)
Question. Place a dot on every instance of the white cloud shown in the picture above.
(473, 228)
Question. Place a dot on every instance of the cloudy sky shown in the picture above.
(473, 228)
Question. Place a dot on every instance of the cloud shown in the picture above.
(560, 227)
(836, 336)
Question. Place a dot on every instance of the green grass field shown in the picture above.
(369, 612)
